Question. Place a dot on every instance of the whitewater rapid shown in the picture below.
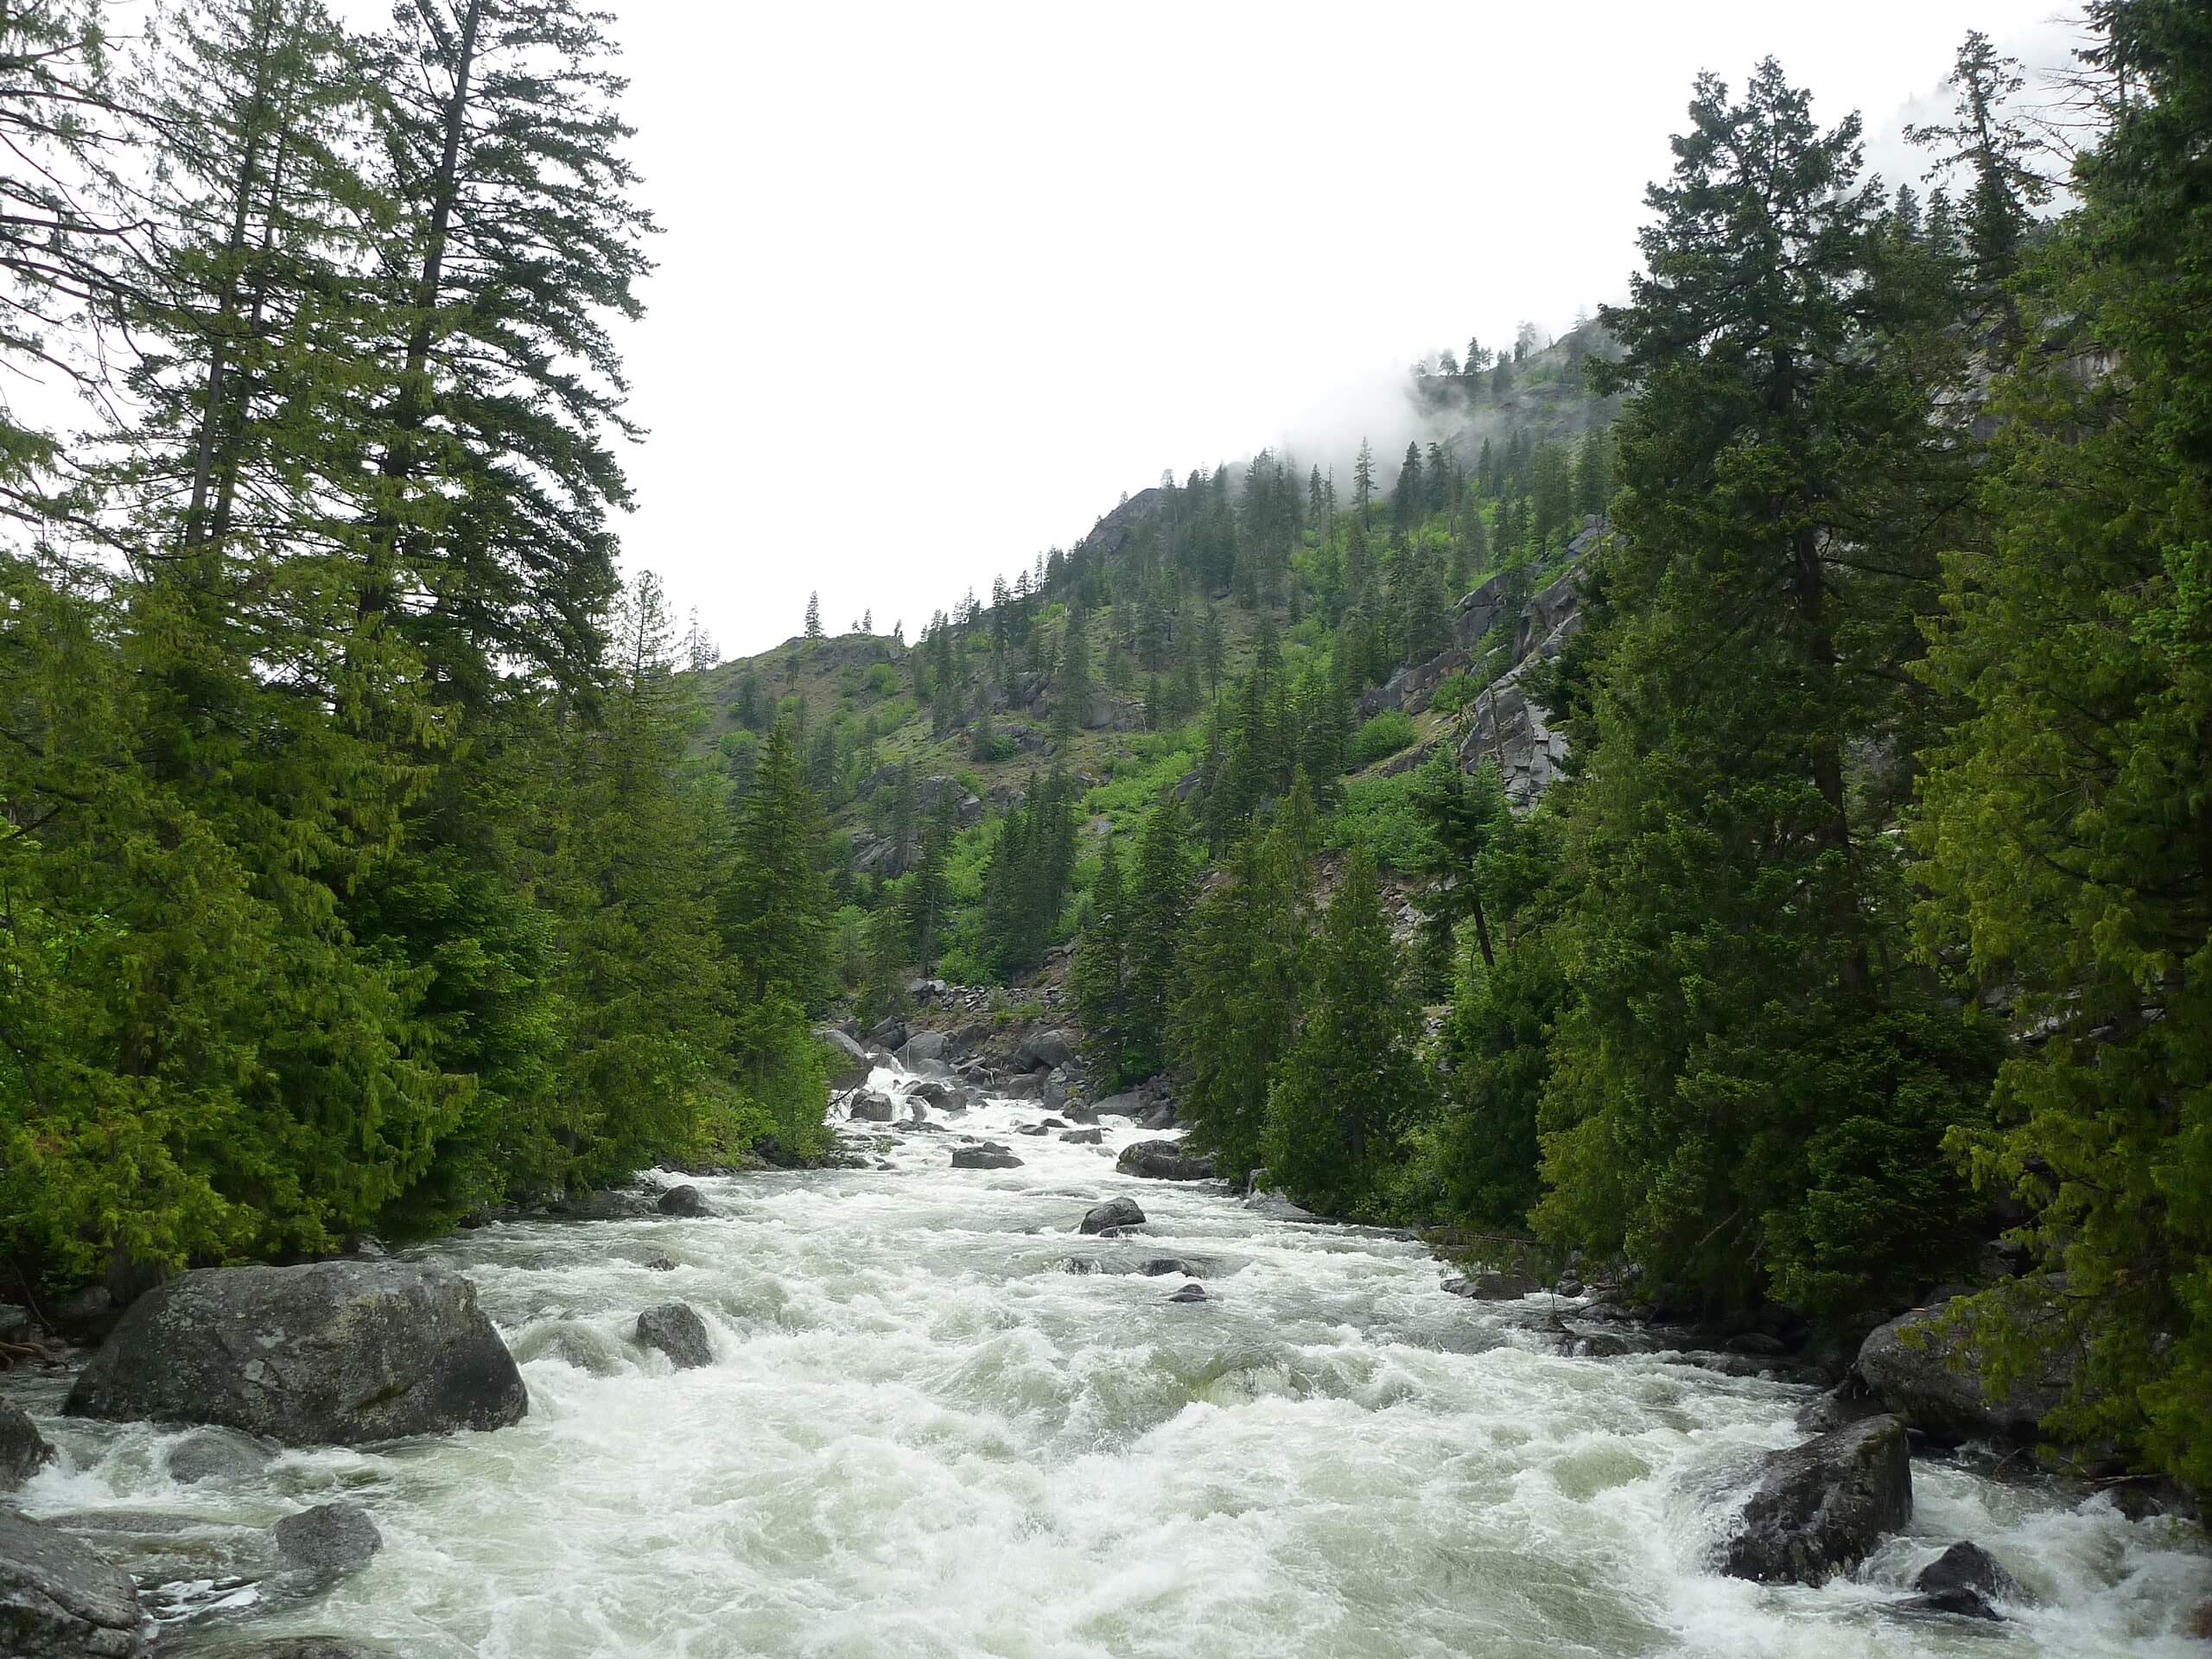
(924, 1435)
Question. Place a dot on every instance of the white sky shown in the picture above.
(940, 283)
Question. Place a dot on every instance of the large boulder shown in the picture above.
(330, 1353)
(328, 1538)
(869, 1107)
(23, 1449)
(222, 1455)
(1500, 1287)
(1964, 1581)
(989, 1155)
(1820, 1509)
(1127, 1104)
(1164, 1160)
(1923, 1367)
(678, 1331)
(849, 1063)
(1042, 1051)
(686, 1201)
(60, 1599)
(1113, 1214)
(922, 1048)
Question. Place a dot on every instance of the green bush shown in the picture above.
(1385, 734)
(1380, 812)
(1454, 692)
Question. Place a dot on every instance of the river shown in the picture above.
(924, 1436)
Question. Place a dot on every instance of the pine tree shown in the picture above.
(1159, 902)
(1100, 973)
(1349, 1089)
(813, 629)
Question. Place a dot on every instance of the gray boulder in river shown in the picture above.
(23, 1449)
(1115, 1212)
(1164, 1160)
(1820, 1509)
(331, 1353)
(678, 1331)
(303, 1647)
(328, 1538)
(1923, 1367)
(60, 1599)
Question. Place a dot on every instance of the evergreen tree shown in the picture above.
(1100, 974)
(1349, 1089)
(813, 630)
(1159, 905)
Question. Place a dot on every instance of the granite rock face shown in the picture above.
(1820, 1509)
(60, 1599)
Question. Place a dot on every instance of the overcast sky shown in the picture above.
(939, 283)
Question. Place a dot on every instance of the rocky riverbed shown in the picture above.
(914, 1409)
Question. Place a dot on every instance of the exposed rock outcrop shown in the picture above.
(328, 1353)
(60, 1599)
(850, 1064)
(1820, 1509)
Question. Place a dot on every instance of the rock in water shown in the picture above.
(306, 1647)
(984, 1157)
(218, 1454)
(23, 1449)
(869, 1107)
(678, 1331)
(1190, 1293)
(328, 1538)
(1115, 1212)
(1493, 1287)
(1083, 1137)
(1820, 1508)
(1163, 1161)
(60, 1599)
(683, 1201)
(332, 1353)
(1043, 1051)
(849, 1063)
(1963, 1580)
(1923, 1367)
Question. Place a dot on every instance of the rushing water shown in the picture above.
(924, 1435)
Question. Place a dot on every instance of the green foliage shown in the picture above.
(1380, 737)
(1348, 1094)
(1380, 814)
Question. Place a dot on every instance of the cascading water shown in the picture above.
(925, 1435)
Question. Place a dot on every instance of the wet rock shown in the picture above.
(1161, 1116)
(1190, 1293)
(328, 1538)
(2145, 1498)
(1844, 1404)
(1043, 1051)
(943, 1096)
(1820, 1509)
(61, 1599)
(1115, 1212)
(678, 1331)
(1083, 1137)
(989, 1155)
(849, 1063)
(328, 1353)
(1923, 1367)
(222, 1455)
(659, 1264)
(1130, 1104)
(1033, 1128)
(889, 1033)
(922, 1048)
(1492, 1286)
(1164, 1160)
(1158, 1265)
(23, 1449)
(686, 1201)
(304, 1647)
(1963, 1581)
(869, 1107)
(1755, 1342)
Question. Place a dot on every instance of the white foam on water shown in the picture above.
(921, 1436)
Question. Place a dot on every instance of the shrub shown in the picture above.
(1385, 734)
